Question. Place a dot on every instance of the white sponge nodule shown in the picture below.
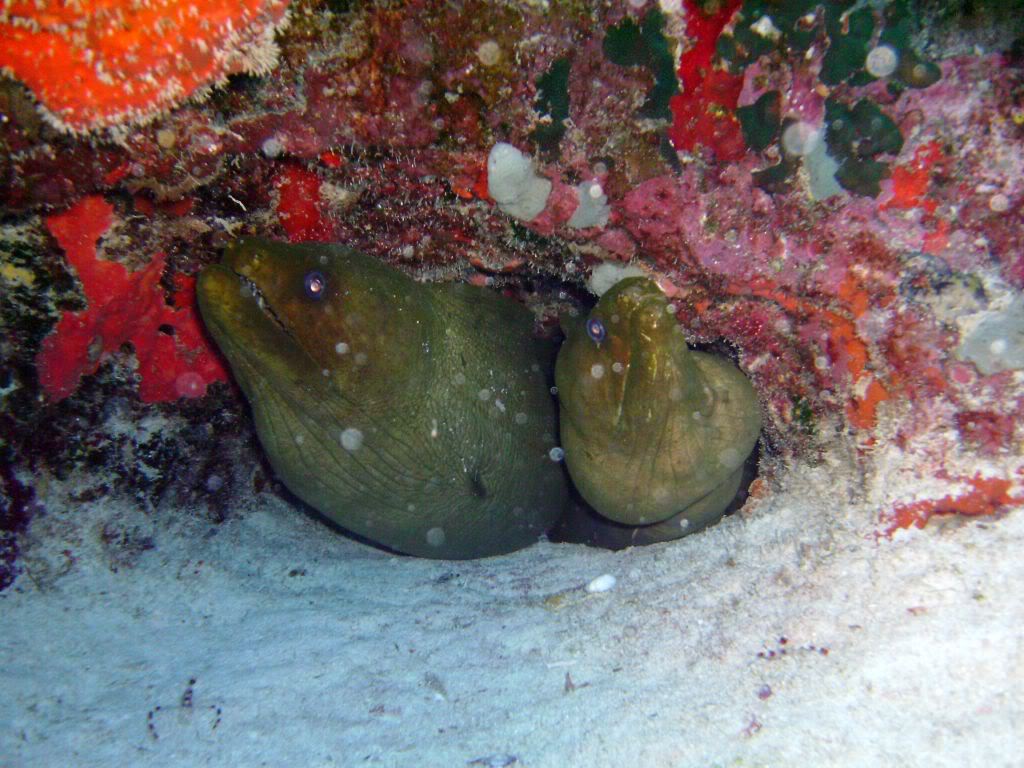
(593, 209)
(513, 183)
(608, 273)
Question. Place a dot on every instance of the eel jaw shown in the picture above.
(248, 286)
(253, 338)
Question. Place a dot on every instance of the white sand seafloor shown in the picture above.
(307, 649)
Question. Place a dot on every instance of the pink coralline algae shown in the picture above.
(174, 358)
(366, 102)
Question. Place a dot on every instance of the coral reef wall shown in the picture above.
(831, 192)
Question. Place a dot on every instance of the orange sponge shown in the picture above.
(97, 63)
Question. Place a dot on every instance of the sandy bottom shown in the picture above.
(785, 636)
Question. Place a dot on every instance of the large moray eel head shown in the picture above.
(306, 316)
(650, 428)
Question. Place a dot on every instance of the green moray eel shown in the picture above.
(417, 416)
(655, 435)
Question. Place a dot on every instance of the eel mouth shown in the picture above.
(242, 320)
(249, 289)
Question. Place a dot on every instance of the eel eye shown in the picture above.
(315, 285)
(595, 330)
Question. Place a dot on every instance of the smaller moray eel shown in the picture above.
(417, 416)
(655, 435)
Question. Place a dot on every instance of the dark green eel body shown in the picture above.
(419, 416)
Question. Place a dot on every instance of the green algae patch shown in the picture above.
(855, 138)
(553, 105)
(849, 38)
(629, 44)
(761, 121)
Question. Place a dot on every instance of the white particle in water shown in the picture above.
(435, 537)
(999, 203)
(341, 348)
(489, 53)
(597, 370)
(272, 147)
(729, 457)
(556, 454)
(881, 61)
(799, 139)
(351, 439)
(300, 439)
(617, 367)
